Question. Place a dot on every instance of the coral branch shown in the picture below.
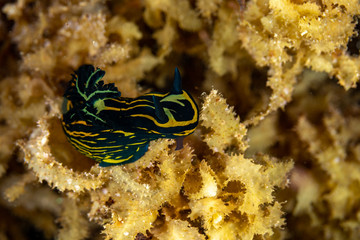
(39, 158)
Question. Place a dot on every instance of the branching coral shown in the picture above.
(41, 161)
(249, 183)
(340, 193)
(229, 180)
(126, 199)
(289, 35)
(74, 224)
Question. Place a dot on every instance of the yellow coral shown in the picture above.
(228, 181)
(177, 229)
(74, 224)
(284, 35)
(227, 131)
(257, 181)
(332, 160)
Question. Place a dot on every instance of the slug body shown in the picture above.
(114, 130)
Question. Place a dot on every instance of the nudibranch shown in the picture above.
(115, 130)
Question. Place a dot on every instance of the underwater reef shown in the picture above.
(276, 154)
